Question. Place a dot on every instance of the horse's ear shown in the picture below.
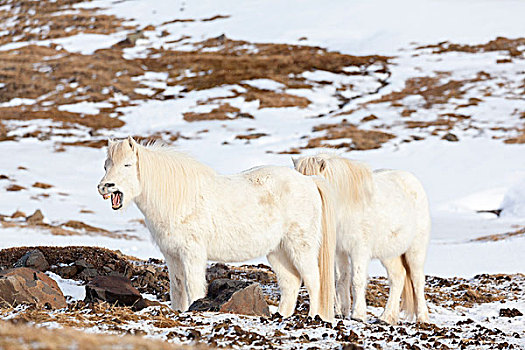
(132, 143)
(322, 165)
(110, 142)
(295, 160)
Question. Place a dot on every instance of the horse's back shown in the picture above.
(402, 198)
(401, 181)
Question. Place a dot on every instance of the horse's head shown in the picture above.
(310, 165)
(121, 181)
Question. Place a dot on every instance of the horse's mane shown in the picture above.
(353, 180)
(171, 180)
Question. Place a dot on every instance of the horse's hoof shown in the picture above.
(358, 319)
(381, 322)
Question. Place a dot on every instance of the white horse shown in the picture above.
(382, 214)
(195, 215)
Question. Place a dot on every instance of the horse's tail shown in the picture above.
(408, 297)
(327, 252)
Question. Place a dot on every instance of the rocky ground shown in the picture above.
(477, 313)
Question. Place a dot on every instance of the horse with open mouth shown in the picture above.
(195, 215)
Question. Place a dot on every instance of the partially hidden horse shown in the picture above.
(195, 215)
(382, 214)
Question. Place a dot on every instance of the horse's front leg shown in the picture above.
(178, 295)
(194, 267)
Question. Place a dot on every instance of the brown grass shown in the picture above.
(514, 47)
(271, 99)
(518, 139)
(27, 15)
(19, 336)
(361, 139)
(233, 63)
(14, 188)
(431, 89)
(42, 185)
(500, 236)
(223, 112)
(251, 136)
(68, 228)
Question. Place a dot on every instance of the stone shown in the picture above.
(510, 313)
(231, 296)
(83, 264)
(67, 272)
(112, 289)
(34, 259)
(88, 274)
(36, 218)
(450, 137)
(247, 301)
(23, 285)
(216, 271)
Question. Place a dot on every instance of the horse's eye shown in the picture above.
(105, 168)
(127, 165)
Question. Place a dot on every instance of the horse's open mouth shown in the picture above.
(116, 200)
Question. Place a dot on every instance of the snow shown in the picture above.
(513, 203)
(17, 102)
(85, 107)
(265, 84)
(360, 27)
(71, 288)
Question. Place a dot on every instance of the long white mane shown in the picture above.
(171, 181)
(352, 180)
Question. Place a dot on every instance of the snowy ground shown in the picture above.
(484, 108)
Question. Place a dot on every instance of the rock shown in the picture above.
(450, 137)
(248, 301)
(23, 285)
(112, 289)
(83, 264)
(36, 218)
(88, 274)
(216, 271)
(67, 271)
(34, 259)
(143, 303)
(226, 295)
(510, 313)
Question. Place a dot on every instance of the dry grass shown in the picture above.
(361, 139)
(68, 228)
(251, 136)
(234, 61)
(19, 336)
(514, 47)
(53, 22)
(500, 236)
(518, 139)
(223, 112)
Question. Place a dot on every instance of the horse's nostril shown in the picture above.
(109, 184)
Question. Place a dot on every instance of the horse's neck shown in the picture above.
(178, 197)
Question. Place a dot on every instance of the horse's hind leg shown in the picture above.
(396, 279)
(289, 281)
(343, 284)
(416, 259)
(359, 278)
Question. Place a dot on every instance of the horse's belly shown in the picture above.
(243, 246)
